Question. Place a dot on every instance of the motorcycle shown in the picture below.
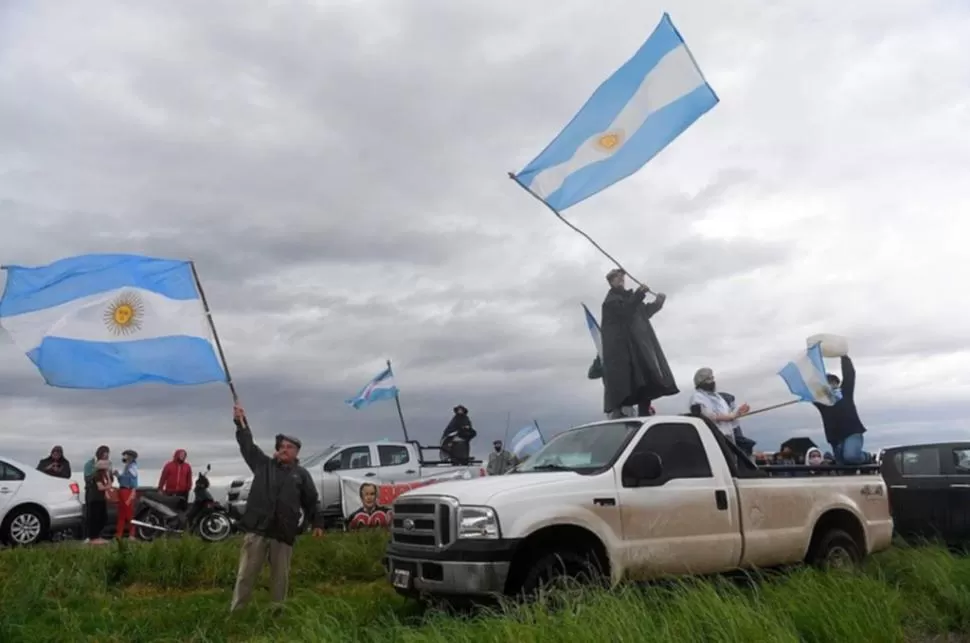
(160, 513)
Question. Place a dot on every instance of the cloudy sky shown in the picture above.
(337, 169)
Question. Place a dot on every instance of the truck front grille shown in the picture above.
(426, 521)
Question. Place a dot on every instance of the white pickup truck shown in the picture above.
(630, 499)
(385, 461)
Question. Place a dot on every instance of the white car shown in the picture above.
(33, 504)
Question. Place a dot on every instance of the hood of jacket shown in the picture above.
(178, 452)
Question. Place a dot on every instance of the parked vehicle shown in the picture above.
(35, 505)
(637, 498)
(929, 491)
(386, 461)
(159, 514)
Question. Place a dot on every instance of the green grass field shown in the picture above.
(179, 590)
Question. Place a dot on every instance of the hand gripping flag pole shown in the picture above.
(639, 110)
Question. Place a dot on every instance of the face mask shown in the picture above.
(498, 449)
(707, 386)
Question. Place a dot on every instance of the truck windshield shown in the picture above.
(581, 450)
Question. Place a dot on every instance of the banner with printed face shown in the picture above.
(367, 502)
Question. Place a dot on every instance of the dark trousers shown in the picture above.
(95, 516)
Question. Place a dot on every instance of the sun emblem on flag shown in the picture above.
(125, 314)
(610, 141)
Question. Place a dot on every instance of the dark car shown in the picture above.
(929, 491)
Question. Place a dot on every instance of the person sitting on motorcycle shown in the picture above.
(127, 484)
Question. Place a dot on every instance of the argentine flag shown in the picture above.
(380, 388)
(635, 113)
(102, 321)
(805, 377)
(526, 441)
(594, 331)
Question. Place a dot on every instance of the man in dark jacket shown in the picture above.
(280, 489)
(843, 428)
(635, 368)
(457, 436)
(55, 464)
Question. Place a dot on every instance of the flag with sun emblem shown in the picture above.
(639, 110)
(105, 321)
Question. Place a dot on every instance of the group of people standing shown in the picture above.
(635, 372)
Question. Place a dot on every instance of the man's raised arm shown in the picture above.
(251, 453)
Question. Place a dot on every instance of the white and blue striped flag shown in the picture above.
(103, 321)
(380, 388)
(526, 441)
(639, 110)
(594, 331)
(805, 377)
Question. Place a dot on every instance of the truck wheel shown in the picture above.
(836, 550)
(561, 569)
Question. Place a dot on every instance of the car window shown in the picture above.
(681, 451)
(10, 473)
(352, 458)
(961, 460)
(392, 455)
(919, 462)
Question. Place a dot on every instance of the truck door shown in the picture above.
(919, 492)
(397, 463)
(355, 460)
(957, 468)
(685, 521)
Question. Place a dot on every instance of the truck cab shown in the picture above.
(637, 499)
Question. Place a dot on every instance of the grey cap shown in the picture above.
(616, 272)
(280, 437)
(702, 375)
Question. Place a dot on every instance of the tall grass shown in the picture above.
(179, 590)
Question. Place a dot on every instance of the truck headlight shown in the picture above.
(478, 522)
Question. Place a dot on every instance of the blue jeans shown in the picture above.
(849, 450)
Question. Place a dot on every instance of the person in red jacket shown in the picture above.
(176, 478)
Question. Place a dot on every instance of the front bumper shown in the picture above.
(466, 569)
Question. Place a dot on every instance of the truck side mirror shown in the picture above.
(331, 465)
(642, 467)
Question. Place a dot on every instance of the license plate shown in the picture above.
(402, 578)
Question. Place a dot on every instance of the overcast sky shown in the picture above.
(337, 169)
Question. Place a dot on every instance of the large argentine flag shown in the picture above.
(805, 377)
(635, 113)
(104, 321)
(526, 441)
(380, 388)
(594, 331)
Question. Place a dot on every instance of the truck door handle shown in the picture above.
(960, 486)
(720, 497)
(410, 471)
(369, 474)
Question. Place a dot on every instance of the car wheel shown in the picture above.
(561, 570)
(836, 550)
(24, 527)
(146, 533)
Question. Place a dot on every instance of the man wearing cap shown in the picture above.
(715, 406)
(500, 461)
(281, 488)
(635, 370)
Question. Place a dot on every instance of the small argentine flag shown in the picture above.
(805, 377)
(629, 119)
(594, 331)
(526, 441)
(102, 321)
(380, 388)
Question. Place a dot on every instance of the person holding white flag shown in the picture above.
(843, 427)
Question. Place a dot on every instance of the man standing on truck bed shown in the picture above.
(635, 370)
(843, 428)
(280, 489)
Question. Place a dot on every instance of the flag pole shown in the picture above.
(508, 425)
(539, 431)
(400, 413)
(575, 229)
(215, 333)
(772, 407)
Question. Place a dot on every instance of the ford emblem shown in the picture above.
(408, 524)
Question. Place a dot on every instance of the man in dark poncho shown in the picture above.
(635, 368)
(457, 436)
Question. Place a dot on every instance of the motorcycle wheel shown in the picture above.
(144, 533)
(215, 527)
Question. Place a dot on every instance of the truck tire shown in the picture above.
(559, 569)
(835, 550)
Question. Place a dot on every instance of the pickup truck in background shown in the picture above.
(385, 461)
(637, 499)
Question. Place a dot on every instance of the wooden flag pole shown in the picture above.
(397, 402)
(215, 333)
(575, 229)
(771, 408)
